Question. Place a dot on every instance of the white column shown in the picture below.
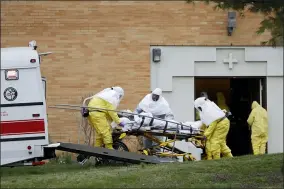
(275, 114)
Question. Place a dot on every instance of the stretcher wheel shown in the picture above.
(118, 145)
(81, 157)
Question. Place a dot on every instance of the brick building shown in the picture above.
(101, 44)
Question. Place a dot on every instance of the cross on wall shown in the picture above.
(230, 61)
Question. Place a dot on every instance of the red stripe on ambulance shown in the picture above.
(20, 127)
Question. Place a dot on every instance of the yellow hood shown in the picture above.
(254, 105)
(220, 98)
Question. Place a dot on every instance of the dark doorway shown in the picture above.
(239, 94)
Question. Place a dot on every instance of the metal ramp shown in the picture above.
(129, 157)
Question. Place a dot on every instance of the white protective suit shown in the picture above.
(210, 111)
(156, 108)
(159, 108)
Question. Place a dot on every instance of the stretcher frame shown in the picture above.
(168, 150)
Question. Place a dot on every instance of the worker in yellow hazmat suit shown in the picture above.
(221, 101)
(218, 127)
(101, 119)
(258, 121)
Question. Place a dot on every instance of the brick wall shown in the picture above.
(101, 44)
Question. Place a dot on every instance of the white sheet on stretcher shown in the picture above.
(158, 124)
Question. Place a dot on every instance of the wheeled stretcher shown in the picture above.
(179, 141)
(174, 140)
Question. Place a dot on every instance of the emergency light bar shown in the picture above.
(12, 74)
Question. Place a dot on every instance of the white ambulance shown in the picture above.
(24, 128)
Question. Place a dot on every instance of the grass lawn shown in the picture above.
(242, 172)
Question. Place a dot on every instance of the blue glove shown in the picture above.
(204, 138)
(85, 112)
(121, 124)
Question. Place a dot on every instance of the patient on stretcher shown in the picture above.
(151, 123)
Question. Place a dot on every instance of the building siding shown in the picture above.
(101, 44)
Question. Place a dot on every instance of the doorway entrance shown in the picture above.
(239, 93)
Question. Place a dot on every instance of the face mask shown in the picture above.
(155, 97)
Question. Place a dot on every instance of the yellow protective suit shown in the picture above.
(207, 144)
(221, 101)
(258, 121)
(216, 135)
(101, 120)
